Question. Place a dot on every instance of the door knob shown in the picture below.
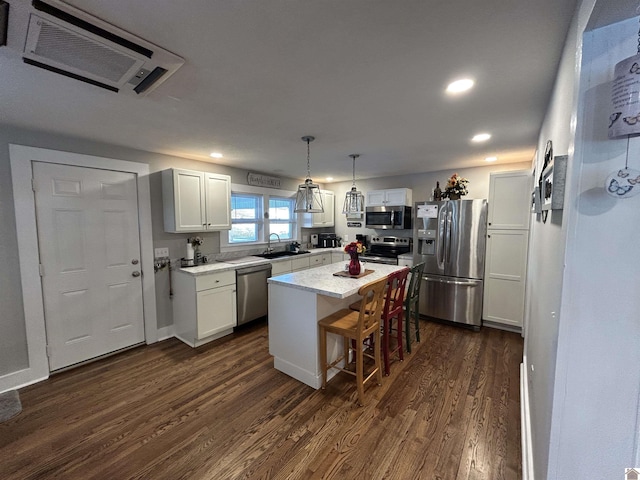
(135, 274)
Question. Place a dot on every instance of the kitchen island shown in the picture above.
(296, 302)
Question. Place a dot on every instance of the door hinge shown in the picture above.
(41, 269)
(48, 351)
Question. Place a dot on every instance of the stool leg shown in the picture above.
(323, 356)
(407, 326)
(416, 313)
(385, 346)
(376, 356)
(400, 319)
(360, 375)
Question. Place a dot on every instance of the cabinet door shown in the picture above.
(509, 200)
(188, 199)
(328, 218)
(218, 201)
(337, 257)
(505, 274)
(316, 260)
(300, 263)
(216, 310)
(375, 198)
(324, 219)
(280, 267)
(398, 196)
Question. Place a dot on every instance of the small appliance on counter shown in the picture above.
(314, 240)
(328, 240)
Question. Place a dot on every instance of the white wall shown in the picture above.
(583, 322)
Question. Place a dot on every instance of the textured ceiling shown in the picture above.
(362, 76)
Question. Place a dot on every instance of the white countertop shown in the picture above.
(321, 280)
(246, 261)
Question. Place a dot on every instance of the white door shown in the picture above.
(90, 255)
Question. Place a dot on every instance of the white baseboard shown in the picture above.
(20, 379)
(525, 425)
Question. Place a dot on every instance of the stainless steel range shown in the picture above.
(386, 249)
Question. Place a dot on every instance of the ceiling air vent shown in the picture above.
(69, 42)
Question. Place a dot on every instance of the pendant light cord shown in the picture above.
(308, 157)
(626, 159)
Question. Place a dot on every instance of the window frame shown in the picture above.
(264, 223)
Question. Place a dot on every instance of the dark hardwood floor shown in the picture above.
(450, 411)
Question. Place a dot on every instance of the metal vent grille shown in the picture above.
(69, 48)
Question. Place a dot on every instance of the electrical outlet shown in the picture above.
(345, 237)
(161, 252)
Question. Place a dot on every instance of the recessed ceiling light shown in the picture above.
(215, 155)
(481, 137)
(329, 179)
(460, 86)
(491, 159)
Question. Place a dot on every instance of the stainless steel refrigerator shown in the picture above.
(450, 237)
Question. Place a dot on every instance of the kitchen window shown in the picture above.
(256, 213)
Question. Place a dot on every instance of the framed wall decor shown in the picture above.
(553, 181)
(536, 206)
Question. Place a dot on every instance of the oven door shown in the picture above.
(384, 260)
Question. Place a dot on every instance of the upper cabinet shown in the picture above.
(509, 200)
(391, 197)
(195, 201)
(324, 219)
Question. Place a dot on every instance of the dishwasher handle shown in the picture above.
(254, 269)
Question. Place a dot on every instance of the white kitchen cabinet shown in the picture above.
(339, 257)
(324, 219)
(300, 263)
(319, 259)
(509, 200)
(204, 306)
(280, 267)
(504, 278)
(195, 201)
(391, 197)
(507, 249)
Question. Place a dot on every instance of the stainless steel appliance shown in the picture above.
(327, 240)
(450, 239)
(388, 217)
(386, 249)
(251, 292)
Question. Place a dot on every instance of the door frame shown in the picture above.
(21, 158)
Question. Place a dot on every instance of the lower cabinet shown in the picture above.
(204, 306)
(505, 277)
(339, 257)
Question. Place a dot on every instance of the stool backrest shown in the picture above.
(416, 279)
(371, 304)
(396, 284)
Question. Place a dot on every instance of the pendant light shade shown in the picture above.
(354, 200)
(308, 198)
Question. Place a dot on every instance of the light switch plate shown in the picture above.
(161, 252)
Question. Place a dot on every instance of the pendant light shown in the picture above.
(308, 199)
(354, 200)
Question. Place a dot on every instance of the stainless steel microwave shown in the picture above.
(388, 218)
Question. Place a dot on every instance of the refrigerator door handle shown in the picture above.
(441, 237)
(447, 258)
(463, 283)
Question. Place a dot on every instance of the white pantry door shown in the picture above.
(89, 248)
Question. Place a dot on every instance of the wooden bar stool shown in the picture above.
(412, 303)
(356, 326)
(393, 309)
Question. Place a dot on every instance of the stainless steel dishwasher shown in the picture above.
(252, 292)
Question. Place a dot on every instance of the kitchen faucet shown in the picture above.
(269, 249)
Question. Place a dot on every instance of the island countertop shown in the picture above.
(322, 281)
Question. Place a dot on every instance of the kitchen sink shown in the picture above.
(281, 254)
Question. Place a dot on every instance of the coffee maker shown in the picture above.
(327, 240)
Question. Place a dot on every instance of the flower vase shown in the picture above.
(354, 264)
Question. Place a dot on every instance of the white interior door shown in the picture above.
(89, 247)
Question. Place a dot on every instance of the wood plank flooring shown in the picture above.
(450, 411)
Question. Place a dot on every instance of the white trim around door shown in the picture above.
(21, 173)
